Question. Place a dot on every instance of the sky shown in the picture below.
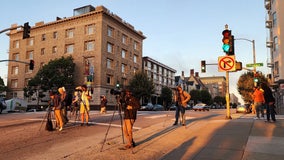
(180, 33)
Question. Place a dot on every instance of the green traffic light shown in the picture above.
(226, 47)
(255, 80)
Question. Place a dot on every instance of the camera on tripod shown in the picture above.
(115, 92)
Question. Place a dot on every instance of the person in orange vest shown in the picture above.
(258, 99)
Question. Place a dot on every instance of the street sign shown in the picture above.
(254, 65)
(226, 63)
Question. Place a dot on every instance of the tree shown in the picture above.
(141, 85)
(166, 96)
(195, 96)
(205, 97)
(55, 74)
(246, 85)
(3, 88)
(219, 100)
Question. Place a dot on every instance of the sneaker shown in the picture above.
(175, 123)
(60, 129)
(267, 120)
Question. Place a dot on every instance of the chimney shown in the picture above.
(196, 74)
(192, 72)
(182, 73)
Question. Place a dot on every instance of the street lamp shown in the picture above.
(253, 51)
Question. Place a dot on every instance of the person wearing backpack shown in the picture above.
(181, 99)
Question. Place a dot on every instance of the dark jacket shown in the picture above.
(56, 102)
(268, 96)
(134, 103)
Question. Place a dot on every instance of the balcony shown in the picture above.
(269, 44)
(267, 4)
(268, 24)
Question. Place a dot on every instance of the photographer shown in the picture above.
(103, 104)
(55, 102)
(130, 107)
(83, 100)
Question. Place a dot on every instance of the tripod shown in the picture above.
(118, 106)
(47, 115)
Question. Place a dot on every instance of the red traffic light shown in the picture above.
(31, 65)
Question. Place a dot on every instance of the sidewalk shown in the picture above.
(241, 138)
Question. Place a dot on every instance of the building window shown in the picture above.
(124, 39)
(14, 83)
(109, 79)
(69, 48)
(54, 49)
(135, 59)
(274, 19)
(16, 44)
(123, 68)
(30, 42)
(15, 70)
(42, 51)
(16, 56)
(89, 45)
(90, 29)
(55, 34)
(29, 54)
(27, 81)
(70, 33)
(109, 63)
(123, 53)
(135, 45)
(43, 37)
(275, 42)
(110, 31)
(110, 48)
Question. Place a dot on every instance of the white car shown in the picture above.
(201, 107)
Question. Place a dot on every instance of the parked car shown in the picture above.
(241, 109)
(172, 107)
(3, 104)
(158, 107)
(147, 107)
(201, 107)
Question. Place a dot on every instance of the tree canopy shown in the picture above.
(57, 73)
(141, 85)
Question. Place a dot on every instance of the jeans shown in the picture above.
(180, 111)
(270, 112)
(259, 108)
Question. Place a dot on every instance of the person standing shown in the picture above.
(56, 103)
(63, 98)
(181, 98)
(103, 104)
(259, 100)
(84, 104)
(269, 103)
(131, 105)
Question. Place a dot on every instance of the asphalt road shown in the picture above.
(23, 135)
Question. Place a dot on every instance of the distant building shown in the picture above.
(192, 82)
(216, 85)
(162, 75)
(105, 49)
(275, 40)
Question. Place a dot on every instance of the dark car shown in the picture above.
(3, 104)
(158, 107)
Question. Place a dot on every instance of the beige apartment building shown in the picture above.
(216, 85)
(106, 50)
(161, 74)
(275, 41)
